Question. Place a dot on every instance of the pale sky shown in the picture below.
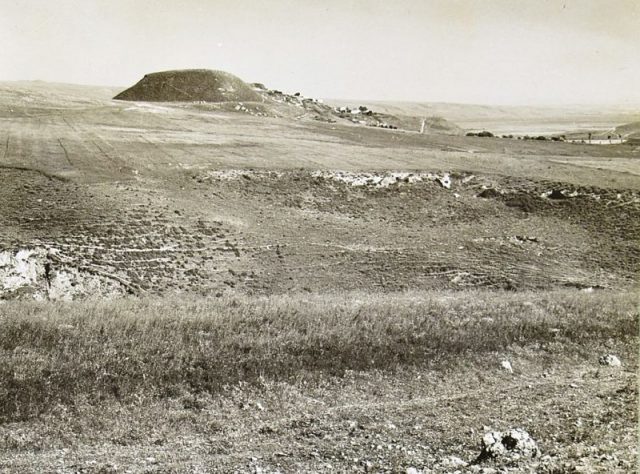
(468, 51)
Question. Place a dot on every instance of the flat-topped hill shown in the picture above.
(190, 85)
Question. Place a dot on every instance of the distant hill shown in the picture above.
(629, 130)
(191, 85)
(433, 124)
(46, 91)
(504, 119)
(461, 113)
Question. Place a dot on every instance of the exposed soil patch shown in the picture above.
(111, 238)
(359, 212)
(276, 231)
(524, 202)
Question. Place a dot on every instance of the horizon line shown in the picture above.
(387, 101)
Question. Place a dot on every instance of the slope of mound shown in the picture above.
(629, 130)
(190, 85)
(441, 125)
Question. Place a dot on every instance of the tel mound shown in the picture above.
(190, 85)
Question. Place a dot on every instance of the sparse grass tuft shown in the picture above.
(57, 353)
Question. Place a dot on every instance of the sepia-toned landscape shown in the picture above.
(264, 282)
(337, 236)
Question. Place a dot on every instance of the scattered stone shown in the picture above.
(514, 444)
(482, 470)
(526, 238)
(453, 462)
(444, 181)
(506, 366)
(610, 360)
(557, 194)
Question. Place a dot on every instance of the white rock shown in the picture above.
(610, 360)
(506, 366)
(445, 181)
(490, 438)
(515, 444)
(411, 470)
(454, 462)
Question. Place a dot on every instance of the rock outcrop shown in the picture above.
(38, 274)
(514, 445)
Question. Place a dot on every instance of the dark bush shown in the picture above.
(524, 202)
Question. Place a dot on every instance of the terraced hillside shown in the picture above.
(162, 198)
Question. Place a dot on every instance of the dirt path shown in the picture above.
(580, 416)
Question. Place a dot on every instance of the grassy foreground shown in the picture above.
(126, 350)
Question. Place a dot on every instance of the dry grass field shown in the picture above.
(350, 382)
(257, 290)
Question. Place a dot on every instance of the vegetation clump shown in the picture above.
(484, 134)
